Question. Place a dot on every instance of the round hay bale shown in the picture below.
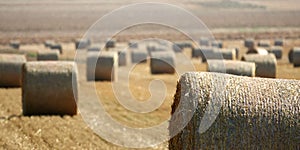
(14, 44)
(255, 113)
(231, 67)
(257, 50)
(296, 57)
(264, 43)
(291, 52)
(139, 55)
(162, 62)
(102, 66)
(199, 52)
(123, 57)
(217, 44)
(57, 47)
(265, 64)
(11, 69)
(30, 55)
(133, 44)
(204, 41)
(237, 51)
(278, 42)
(48, 88)
(229, 54)
(82, 43)
(48, 43)
(277, 51)
(48, 55)
(111, 43)
(177, 48)
(94, 48)
(249, 43)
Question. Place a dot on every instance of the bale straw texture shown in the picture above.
(102, 66)
(11, 69)
(265, 64)
(47, 88)
(123, 57)
(232, 67)
(48, 55)
(255, 113)
(162, 62)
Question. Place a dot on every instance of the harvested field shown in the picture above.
(33, 22)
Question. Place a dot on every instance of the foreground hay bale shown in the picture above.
(48, 55)
(231, 67)
(217, 44)
(296, 57)
(56, 47)
(278, 42)
(162, 62)
(11, 70)
(139, 55)
(265, 64)
(82, 43)
(14, 44)
(264, 43)
(249, 43)
(48, 89)
(255, 113)
(204, 41)
(102, 66)
(277, 51)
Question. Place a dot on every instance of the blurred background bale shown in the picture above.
(14, 44)
(48, 55)
(11, 70)
(162, 62)
(139, 55)
(266, 65)
(277, 51)
(48, 88)
(231, 67)
(102, 66)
